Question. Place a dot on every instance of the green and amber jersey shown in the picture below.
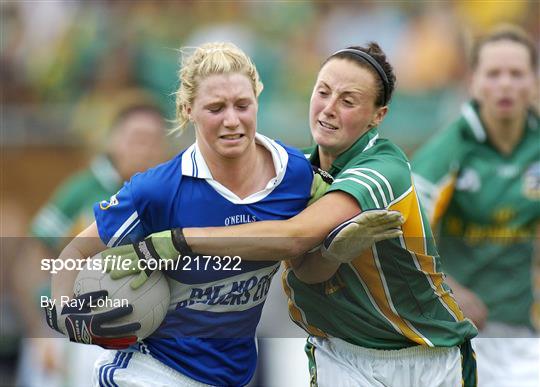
(392, 296)
(70, 210)
(486, 207)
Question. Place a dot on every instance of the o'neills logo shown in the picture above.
(239, 219)
(469, 181)
(105, 205)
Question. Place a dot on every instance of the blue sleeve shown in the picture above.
(143, 206)
(301, 173)
(117, 219)
(305, 169)
(306, 176)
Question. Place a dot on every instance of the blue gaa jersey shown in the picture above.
(208, 333)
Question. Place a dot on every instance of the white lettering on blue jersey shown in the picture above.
(237, 293)
(213, 314)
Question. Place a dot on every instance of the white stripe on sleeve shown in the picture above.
(133, 218)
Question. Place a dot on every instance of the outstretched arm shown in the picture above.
(347, 242)
(258, 241)
(276, 240)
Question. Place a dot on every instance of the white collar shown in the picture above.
(474, 122)
(105, 172)
(471, 116)
(194, 165)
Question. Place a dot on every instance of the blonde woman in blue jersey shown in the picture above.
(211, 181)
(480, 182)
(377, 311)
(231, 174)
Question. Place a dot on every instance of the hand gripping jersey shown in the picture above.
(488, 206)
(208, 333)
(393, 296)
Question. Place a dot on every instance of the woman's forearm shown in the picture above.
(62, 282)
(269, 240)
(275, 240)
(314, 269)
(83, 246)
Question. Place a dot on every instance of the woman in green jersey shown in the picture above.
(480, 182)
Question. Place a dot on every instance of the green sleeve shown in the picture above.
(374, 183)
(56, 218)
(435, 168)
(438, 157)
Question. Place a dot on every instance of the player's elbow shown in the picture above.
(310, 276)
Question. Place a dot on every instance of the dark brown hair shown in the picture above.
(123, 115)
(384, 91)
(505, 32)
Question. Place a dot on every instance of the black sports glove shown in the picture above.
(81, 326)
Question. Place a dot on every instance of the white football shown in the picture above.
(150, 301)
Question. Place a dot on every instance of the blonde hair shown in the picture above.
(209, 59)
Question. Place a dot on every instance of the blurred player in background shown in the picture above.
(13, 223)
(136, 142)
(480, 182)
(376, 314)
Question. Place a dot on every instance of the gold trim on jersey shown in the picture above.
(368, 269)
(445, 191)
(295, 312)
(414, 240)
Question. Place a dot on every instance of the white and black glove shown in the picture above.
(352, 237)
(83, 326)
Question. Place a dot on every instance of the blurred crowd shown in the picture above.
(68, 68)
